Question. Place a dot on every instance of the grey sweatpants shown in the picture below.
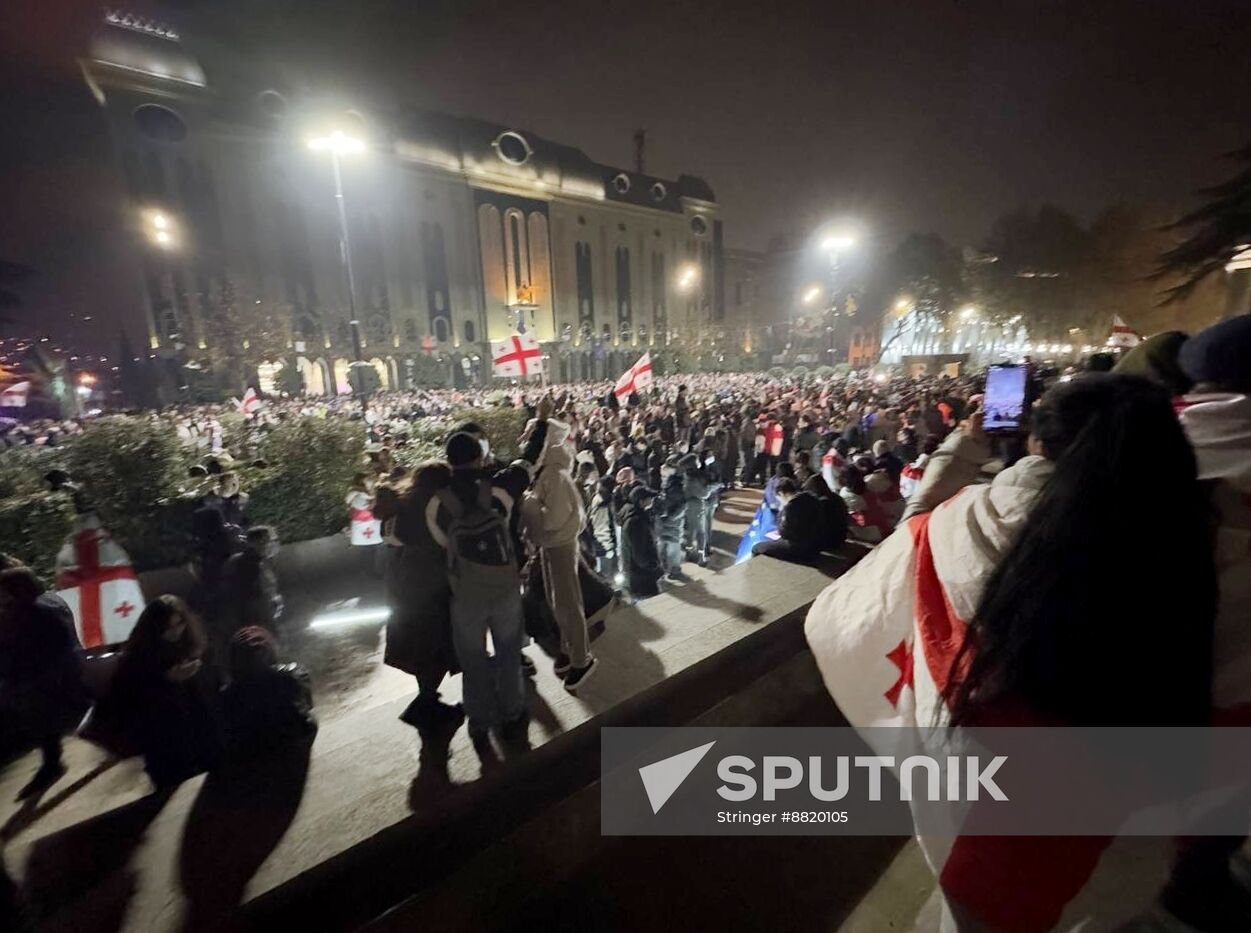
(564, 596)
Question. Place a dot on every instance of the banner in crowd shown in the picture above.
(1122, 334)
(518, 355)
(94, 577)
(636, 378)
(16, 395)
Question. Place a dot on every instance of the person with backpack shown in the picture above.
(553, 516)
(471, 523)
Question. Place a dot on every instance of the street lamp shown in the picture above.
(811, 294)
(339, 143)
(161, 229)
(838, 242)
(688, 277)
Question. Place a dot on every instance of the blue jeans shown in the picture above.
(493, 689)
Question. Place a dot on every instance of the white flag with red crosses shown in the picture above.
(518, 355)
(96, 580)
(366, 530)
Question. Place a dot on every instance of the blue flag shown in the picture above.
(761, 525)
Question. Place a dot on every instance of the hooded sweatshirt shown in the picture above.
(552, 510)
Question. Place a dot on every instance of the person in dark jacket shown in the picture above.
(267, 704)
(834, 516)
(801, 526)
(164, 695)
(42, 696)
(250, 593)
(419, 630)
(672, 519)
(640, 558)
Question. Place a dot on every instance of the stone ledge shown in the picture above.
(352, 836)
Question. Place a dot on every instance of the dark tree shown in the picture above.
(1214, 231)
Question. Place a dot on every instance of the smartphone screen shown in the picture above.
(1004, 402)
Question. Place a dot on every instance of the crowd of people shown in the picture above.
(612, 496)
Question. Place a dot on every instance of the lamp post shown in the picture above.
(834, 245)
(339, 144)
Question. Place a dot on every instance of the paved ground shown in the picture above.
(99, 853)
(346, 662)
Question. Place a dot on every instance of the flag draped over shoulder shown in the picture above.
(886, 637)
(96, 580)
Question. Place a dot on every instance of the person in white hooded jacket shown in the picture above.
(993, 604)
(553, 515)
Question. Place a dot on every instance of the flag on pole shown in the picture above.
(1122, 334)
(636, 378)
(15, 396)
(518, 355)
(94, 577)
(251, 403)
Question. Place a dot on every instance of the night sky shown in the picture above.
(927, 115)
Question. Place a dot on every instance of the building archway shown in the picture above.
(342, 385)
(384, 377)
(313, 376)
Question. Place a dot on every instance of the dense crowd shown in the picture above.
(1017, 541)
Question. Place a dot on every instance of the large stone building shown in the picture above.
(461, 230)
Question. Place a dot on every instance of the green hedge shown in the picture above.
(135, 474)
(33, 528)
(302, 490)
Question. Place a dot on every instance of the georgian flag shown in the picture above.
(366, 530)
(94, 577)
(887, 653)
(15, 396)
(636, 378)
(1122, 334)
(251, 403)
(518, 355)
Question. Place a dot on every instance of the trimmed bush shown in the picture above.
(311, 465)
(125, 466)
(502, 426)
(22, 470)
(33, 528)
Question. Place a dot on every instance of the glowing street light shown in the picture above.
(161, 229)
(339, 143)
(968, 313)
(838, 242)
(688, 277)
(811, 294)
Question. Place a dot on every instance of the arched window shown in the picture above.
(471, 332)
(440, 329)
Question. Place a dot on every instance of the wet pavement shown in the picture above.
(345, 659)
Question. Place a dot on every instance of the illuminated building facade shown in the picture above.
(461, 230)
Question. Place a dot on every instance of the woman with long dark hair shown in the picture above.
(164, 696)
(419, 632)
(1075, 589)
